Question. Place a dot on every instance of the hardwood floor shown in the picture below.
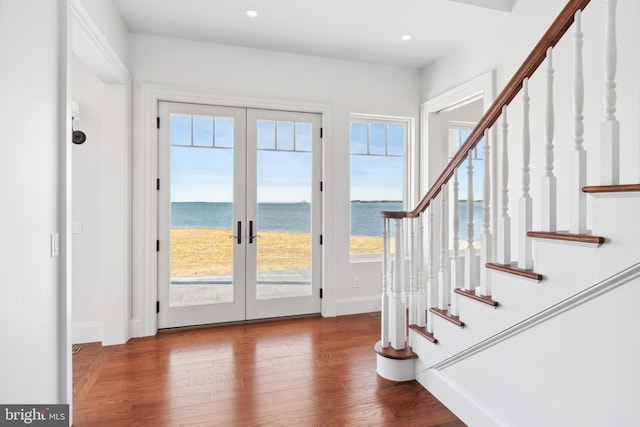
(310, 371)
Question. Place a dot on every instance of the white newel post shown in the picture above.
(470, 273)
(578, 166)
(504, 222)
(443, 275)
(398, 307)
(610, 127)
(549, 198)
(413, 272)
(487, 238)
(431, 282)
(421, 295)
(386, 272)
(525, 252)
(457, 278)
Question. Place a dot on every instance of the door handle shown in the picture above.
(251, 235)
(239, 235)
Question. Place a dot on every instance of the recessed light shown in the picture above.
(406, 37)
(252, 13)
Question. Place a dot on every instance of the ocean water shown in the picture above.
(295, 217)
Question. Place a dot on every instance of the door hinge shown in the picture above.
(321, 239)
(158, 184)
(157, 307)
(321, 186)
(157, 245)
(320, 293)
(321, 133)
(158, 122)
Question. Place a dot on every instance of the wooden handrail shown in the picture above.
(550, 38)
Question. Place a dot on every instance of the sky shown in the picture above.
(202, 173)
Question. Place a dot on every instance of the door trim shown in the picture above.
(145, 197)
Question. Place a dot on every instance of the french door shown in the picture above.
(239, 214)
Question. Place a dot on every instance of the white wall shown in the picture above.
(102, 176)
(32, 312)
(346, 87)
(88, 204)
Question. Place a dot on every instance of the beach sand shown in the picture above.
(205, 251)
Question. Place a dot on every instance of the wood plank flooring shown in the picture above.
(310, 371)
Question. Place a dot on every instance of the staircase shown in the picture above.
(533, 327)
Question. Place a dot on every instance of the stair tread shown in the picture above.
(567, 237)
(485, 299)
(445, 315)
(421, 330)
(513, 269)
(391, 353)
(622, 188)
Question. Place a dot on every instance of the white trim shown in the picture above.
(145, 201)
(465, 406)
(570, 303)
(345, 306)
(93, 48)
(87, 332)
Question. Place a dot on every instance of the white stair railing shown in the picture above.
(470, 273)
(525, 250)
(398, 307)
(443, 274)
(421, 297)
(610, 127)
(457, 277)
(548, 201)
(386, 273)
(504, 222)
(578, 166)
(431, 282)
(412, 298)
(487, 237)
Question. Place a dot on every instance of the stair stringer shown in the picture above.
(574, 363)
(521, 298)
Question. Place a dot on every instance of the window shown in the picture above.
(378, 183)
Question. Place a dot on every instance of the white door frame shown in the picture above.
(145, 200)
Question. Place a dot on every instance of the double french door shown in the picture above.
(239, 214)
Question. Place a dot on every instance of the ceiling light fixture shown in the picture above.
(252, 13)
(406, 37)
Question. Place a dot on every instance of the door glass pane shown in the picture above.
(201, 217)
(284, 190)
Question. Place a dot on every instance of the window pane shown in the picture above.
(359, 138)
(303, 136)
(284, 136)
(378, 139)
(395, 145)
(203, 131)
(266, 135)
(223, 132)
(180, 129)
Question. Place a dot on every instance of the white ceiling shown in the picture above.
(362, 30)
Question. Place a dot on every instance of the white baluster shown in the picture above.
(504, 222)
(457, 276)
(398, 307)
(578, 166)
(470, 273)
(525, 251)
(413, 272)
(386, 273)
(421, 294)
(487, 238)
(548, 201)
(431, 282)
(610, 127)
(443, 276)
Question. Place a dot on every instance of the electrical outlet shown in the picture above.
(356, 281)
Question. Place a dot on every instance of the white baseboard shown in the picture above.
(367, 304)
(86, 332)
(463, 405)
